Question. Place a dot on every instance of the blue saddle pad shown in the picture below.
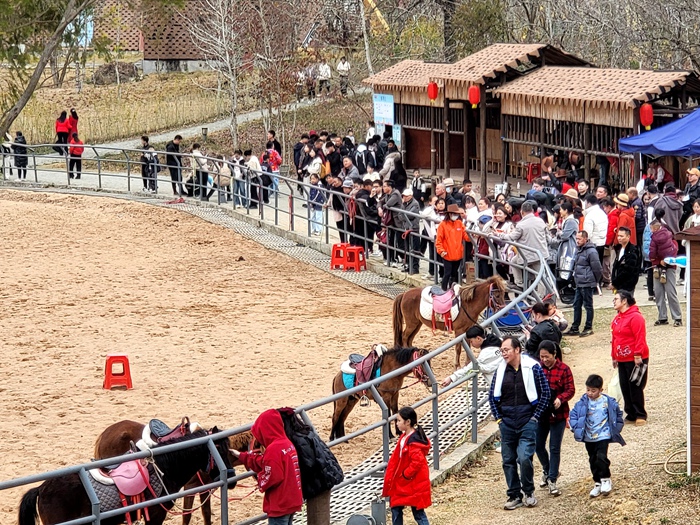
(349, 379)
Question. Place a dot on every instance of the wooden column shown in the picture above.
(586, 152)
(638, 171)
(482, 146)
(433, 146)
(446, 131)
(504, 148)
(467, 136)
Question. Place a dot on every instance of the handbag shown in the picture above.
(325, 170)
(614, 386)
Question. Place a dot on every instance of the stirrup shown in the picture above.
(364, 401)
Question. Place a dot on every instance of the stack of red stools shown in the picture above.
(348, 257)
(533, 171)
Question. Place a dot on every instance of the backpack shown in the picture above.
(325, 170)
(361, 162)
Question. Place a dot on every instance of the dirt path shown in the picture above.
(641, 493)
(216, 327)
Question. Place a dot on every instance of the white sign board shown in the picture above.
(383, 110)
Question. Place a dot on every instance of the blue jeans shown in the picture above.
(316, 221)
(239, 193)
(583, 298)
(281, 520)
(517, 450)
(550, 461)
(418, 515)
(275, 181)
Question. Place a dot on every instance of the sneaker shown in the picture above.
(681, 282)
(586, 333)
(660, 322)
(553, 489)
(639, 423)
(376, 254)
(656, 273)
(572, 331)
(530, 500)
(605, 486)
(544, 482)
(662, 277)
(513, 503)
(652, 299)
(677, 322)
(596, 490)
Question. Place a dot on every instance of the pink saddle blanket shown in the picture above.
(443, 303)
(131, 478)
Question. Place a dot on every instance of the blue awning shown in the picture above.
(680, 138)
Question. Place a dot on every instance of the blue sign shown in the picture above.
(396, 135)
(383, 109)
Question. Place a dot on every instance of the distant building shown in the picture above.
(120, 22)
(168, 47)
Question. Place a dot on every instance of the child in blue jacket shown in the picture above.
(597, 421)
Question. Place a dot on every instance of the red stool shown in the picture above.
(113, 379)
(338, 257)
(355, 258)
(533, 171)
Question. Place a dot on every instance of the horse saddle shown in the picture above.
(157, 432)
(364, 368)
(440, 305)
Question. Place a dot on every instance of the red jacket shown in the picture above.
(448, 241)
(76, 148)
(629, 335)
(72, 125)
(611, 237)
(277, 468)
(627, 220)
(407, 477)
(62, 127)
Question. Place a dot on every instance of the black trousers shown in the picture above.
(75, 166)
(631, 393)
(62, 139)
(21, 171)
(451, 274)
(598, 459)
(412, 243)
(176, 177)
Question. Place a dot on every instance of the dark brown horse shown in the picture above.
(116, 440)
(474, 299)
(392, 359)
(64, 498)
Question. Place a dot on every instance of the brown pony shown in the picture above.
(392, 359)
(474, 299)
(116, 440)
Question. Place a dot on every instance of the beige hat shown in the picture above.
(572, 193)
(622, 199)
(693, 171)
(448, 182)
(408, 192)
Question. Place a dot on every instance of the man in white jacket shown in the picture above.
(487, 350)
(595, 223)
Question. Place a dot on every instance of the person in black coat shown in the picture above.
(19, 149)
(545, 329)
(625, 270)
(174, 163)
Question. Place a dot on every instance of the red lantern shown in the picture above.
(474, 95)
(432, 91)
(646, 115)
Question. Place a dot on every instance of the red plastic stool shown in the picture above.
(113, 379)
(533, 171)
(355, 258)
(338, 257)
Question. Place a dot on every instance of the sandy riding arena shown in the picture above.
(217, 328)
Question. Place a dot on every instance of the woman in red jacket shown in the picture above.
(62, 131)
(407, 478)
(630, 355)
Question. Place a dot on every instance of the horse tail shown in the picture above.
(398, 321)
(27, 507)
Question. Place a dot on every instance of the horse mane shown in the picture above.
(468, 292)
(404, 354)
(172, 460)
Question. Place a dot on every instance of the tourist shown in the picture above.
(72, 122)
(343, 69)
(626, 218)
(349, 170)
(316, 200)
(221, 180)
(200, 167)
(673, 209)
(174, 163)
(587, 272)
(370, 131)
(553, 423)
(410, 225)
(625, 270)
(324, 78)
(300, 149)
(584, 188)
(544, 329)
(19, 152)
(278, 478)
(630, 355)
(407, 476)
(391, 200)
(62, 133)
(75, 155)
(663, 245)
(274, 161)
(692, 190)
(613, 213)
(640, 219)
(238, 171)
(272, 137)
(451, 234)
(595, 222)
(596, 420)
(502, 252)
(487, 350)
(366, 217)
(518, 397)
(432, 217)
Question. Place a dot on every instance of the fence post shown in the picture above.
(36, 174)
(92, 496)
(128, 171)
(385, 427)
(223, 476)
(99, 172)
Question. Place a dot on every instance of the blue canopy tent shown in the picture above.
(680, 138)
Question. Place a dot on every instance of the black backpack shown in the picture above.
(361, 162)
(319, 468)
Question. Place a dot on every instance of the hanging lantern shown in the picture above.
(474, 95)
(432, 91)
(646, 115)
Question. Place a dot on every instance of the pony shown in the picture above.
(392, 359)
(64, 498)
(116, 440)
(474, 299)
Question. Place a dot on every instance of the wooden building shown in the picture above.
(120, 22)
(692, 235)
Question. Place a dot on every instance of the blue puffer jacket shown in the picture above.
(646, 242)
(577, 419)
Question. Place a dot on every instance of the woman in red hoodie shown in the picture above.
(630, 355)
(407, 478)
(277, 468)
(62, 132)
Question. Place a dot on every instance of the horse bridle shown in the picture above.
(418, 371)
(493, 305)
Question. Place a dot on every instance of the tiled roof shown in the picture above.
(599, 87)
(489, 62)
(407, 75)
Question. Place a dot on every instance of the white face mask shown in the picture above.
(448, 190)
(454, 216)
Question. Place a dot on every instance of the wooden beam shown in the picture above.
(446, 133)
(467, 136)
(504, 149)
(433, 151)
(482, 142)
